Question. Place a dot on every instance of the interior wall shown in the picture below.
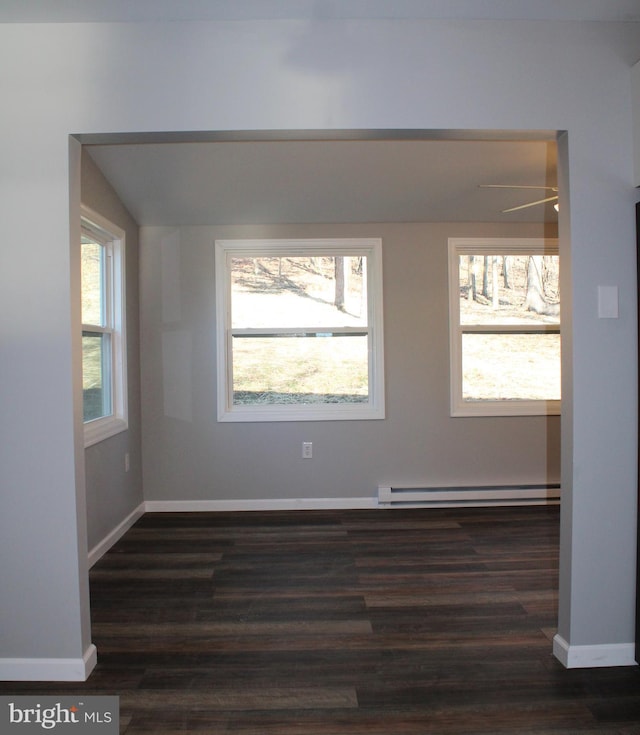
(77, 79)
(188, 455)
(112, 491)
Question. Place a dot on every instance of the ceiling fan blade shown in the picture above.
(515, 186)
(530, 204)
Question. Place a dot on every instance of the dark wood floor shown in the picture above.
(396, 622)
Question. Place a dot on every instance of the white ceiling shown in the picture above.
(65, 11)
(312, 181)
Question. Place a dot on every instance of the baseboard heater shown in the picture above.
(468, 496)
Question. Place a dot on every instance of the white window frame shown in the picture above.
(371, 248)
(112, 238)
(494, 246)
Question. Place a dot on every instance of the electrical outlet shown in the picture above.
(307, 450)
(126, 462)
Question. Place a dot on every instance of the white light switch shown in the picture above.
(607, 302)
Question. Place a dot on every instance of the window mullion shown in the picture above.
(299, 331)
(510, 328)
(95, 329)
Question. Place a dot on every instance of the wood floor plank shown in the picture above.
(229, 699)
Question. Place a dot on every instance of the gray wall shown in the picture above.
(112, 493)
(61, 80)
(189, 456)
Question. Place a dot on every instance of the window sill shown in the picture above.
(301, 413)
(506, 408)
(100, 429)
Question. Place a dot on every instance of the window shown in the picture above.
(504, 327)
(299, 330)
(103, 328)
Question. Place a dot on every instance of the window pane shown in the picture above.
(300, 370)
(509, 289)
(96, 375)
(298, 292)
(92, 282)
(509, 367)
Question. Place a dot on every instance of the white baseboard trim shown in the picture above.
(49, 669)
(598, 656)
(108, 541)
(187, 506)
